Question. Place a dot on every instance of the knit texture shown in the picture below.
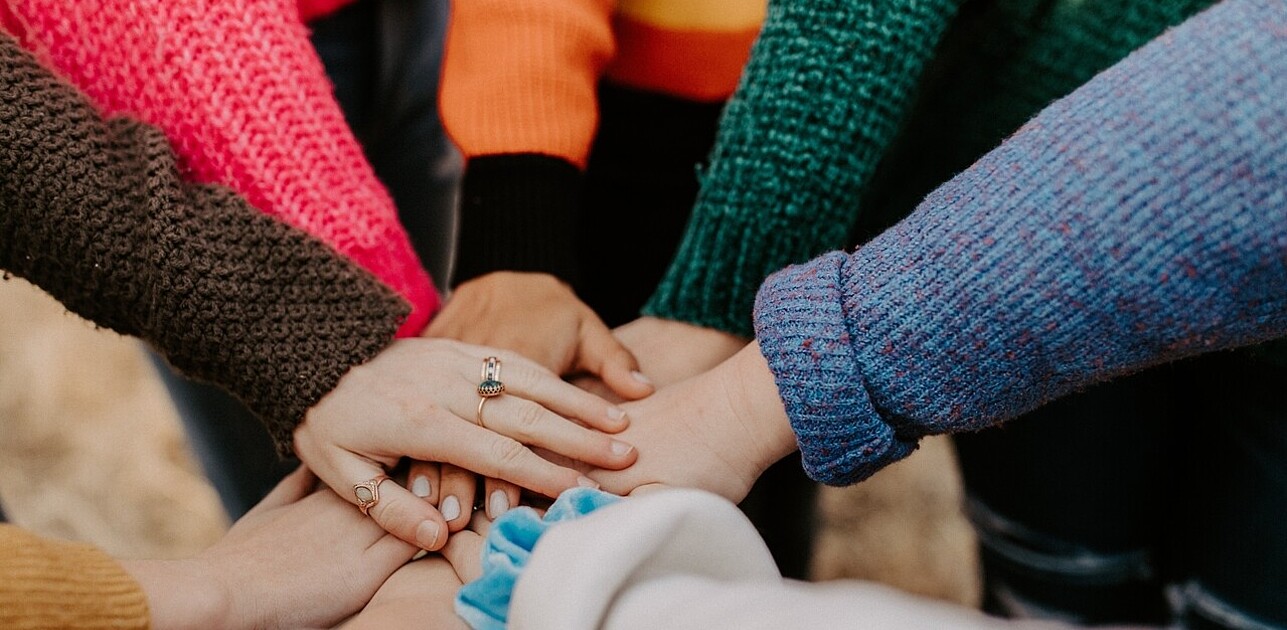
(95, 213)
(518, 213)
(519, 87)
(238, 89)
(1140, 220)
(998, 65)
(56, 585)
(820, 100)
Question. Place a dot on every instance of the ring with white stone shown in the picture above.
(368, 493)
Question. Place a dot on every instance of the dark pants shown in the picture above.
(1157, 498)
(384, 58)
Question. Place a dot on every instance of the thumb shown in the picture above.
(292, 488)
(601, 354)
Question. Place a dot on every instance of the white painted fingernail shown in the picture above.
(498, 504)
(586, 482)
(427, 534)
(641, 377)
(420, 486)
(450, 508)
(620, 448)
(617, 413)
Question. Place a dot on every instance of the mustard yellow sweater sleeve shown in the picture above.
(56, 584)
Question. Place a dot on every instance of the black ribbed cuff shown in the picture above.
(518, 213)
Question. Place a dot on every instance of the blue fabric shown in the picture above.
(484, 602)
(1139, 220)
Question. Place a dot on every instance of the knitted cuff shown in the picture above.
(57, 584)
(722, 261)
(518, 213)
(800, 324)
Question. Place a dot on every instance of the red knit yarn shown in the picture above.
(240, 92)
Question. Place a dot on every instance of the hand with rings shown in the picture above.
(425, 399)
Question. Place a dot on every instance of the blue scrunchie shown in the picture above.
(484, 602)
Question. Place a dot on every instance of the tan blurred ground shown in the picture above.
(90, 450)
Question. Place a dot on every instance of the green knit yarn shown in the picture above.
(821, 102)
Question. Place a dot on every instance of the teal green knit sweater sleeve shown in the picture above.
(820, 100)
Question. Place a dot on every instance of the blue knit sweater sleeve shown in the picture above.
(1139, 220)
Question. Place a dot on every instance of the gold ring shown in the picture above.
(491, 385)
(368, 493)
(481, 401)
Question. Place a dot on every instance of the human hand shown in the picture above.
(299, 558)
(717, 431)
(539, 317)
(425, 590)
(670, 351)
(421, 593)
(418, 398)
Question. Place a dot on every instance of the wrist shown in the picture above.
(754, 400)
(182, 594)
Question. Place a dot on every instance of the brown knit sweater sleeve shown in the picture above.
(65, 585)
(94, 212)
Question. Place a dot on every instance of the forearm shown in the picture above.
(1139, 220)
(94, 213)
(819, 102)
(57, 584)
(245, 102)
(519, 100)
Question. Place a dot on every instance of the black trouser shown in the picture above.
(383, 57)
(1157, 498)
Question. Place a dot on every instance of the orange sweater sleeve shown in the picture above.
(57, 584)
(519, 76)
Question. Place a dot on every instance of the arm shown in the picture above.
(819, 102)
(1137, 221)
(94, 213)
(48, 583)
(245, 102)
(519, 99)
(298, 559)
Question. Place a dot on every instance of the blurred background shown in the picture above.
(91, 450)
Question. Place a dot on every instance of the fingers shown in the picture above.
(600, 353)
(530, 423)
(463, 552)
(423, 480)
(499, 497)
(526, 379)
(295, 486)
(491, 454)
(457, 504)
(398, 511)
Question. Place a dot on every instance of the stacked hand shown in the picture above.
(419, 399)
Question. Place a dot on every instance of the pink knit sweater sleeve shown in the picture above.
(240, 92)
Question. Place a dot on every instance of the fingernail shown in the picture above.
(420, 486)
(620, 448)
(427, 534)
(498, 504)
(639, 376)
(586, 482)
(617, 414)
(450, 508)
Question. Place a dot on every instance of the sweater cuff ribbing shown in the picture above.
(59, 584)
(519, 213)
(800, 324)
(721, 262)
